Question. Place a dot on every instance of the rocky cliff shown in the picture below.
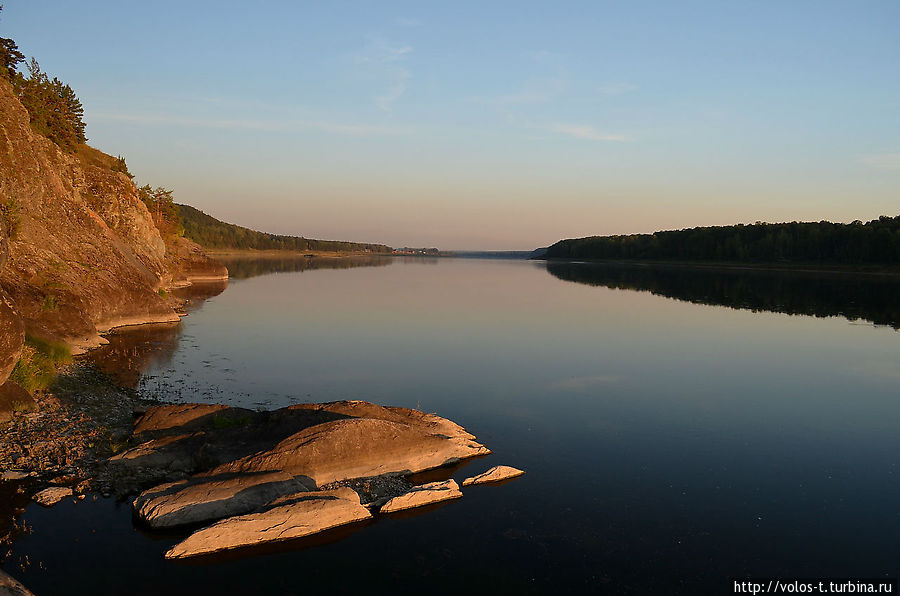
(79, 252)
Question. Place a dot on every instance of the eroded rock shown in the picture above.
(495, 474)
(425, 494)
(299, 515)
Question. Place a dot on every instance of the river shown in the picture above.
(679, 427)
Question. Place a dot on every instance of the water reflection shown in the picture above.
(246, 266)
(871, 298)
(132, 351)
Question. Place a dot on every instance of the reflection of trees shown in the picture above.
(871, 298)
(241, 267)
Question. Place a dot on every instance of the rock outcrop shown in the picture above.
(270, 467)
(425, 494)
(294, 516)
(495, 474)
(84, 253)
(356, 448)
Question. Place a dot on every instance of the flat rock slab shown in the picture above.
(425, 494)
(13, 475)
(495, 474)
(304, 515)
(208, 498)
(53, 495)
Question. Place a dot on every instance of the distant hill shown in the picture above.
(209, 232)
(876, 242)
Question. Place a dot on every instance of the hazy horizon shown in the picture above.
(506, 126)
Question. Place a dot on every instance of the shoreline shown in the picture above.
(250, 252)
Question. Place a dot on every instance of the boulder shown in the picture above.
(14, 399)
(495, 474)
(425, 494)
(209, 498)
(297, 516)
(53, 495)
(357, 448)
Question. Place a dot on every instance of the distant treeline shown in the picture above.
(875, 242)
(209, 232)
(874, 298)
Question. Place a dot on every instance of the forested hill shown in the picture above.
(209, 232)
(876, 242)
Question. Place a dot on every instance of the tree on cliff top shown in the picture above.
(160, 203)
(10, 56)
(53, 107)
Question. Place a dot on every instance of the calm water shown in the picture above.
(679, 427)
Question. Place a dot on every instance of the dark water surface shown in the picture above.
(678, 428)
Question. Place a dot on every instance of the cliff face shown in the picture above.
(83, 253)
(12, 333)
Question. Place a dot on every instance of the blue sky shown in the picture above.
(494, 125)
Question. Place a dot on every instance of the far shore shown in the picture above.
(250, 252)
(881, 270)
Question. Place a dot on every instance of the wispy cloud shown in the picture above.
(882, 161)
(581, 131)
(384, 61)
(615, 88)
(580, 383)
(348, 129)
(408, 22)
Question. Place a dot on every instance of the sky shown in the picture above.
(488, 125)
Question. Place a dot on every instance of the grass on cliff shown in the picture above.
(36, 368)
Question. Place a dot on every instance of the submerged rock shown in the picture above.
(53, 495)
(206, 498)
(495, 474)
(425, 494)
(296, 516)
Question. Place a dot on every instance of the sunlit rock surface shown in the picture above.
(207, 498)
(495, 474)
(297, 516)
(425, 494)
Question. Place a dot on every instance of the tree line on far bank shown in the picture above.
(856, 243)
(209, 232)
